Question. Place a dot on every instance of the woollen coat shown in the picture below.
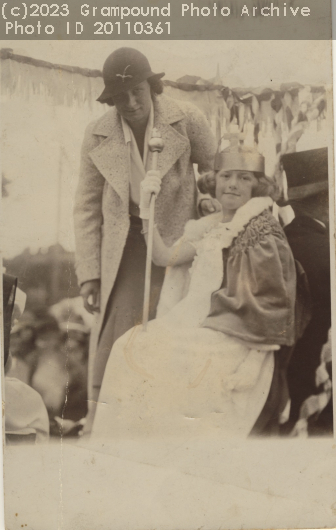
(101, 213)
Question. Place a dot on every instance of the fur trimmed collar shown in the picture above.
(226, 232)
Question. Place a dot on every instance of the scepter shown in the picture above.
(155, 145)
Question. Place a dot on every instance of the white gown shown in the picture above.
(181, 379)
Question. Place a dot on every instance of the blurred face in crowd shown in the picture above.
(135, 104)
(234, 188)
(16, 344)
(76, 346)
(47, 340)
(22, 341)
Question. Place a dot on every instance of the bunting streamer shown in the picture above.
(60, 86)
(283, 119)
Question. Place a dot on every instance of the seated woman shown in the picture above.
(205, 365)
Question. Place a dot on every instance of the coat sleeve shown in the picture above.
(202, 141)
(88, 217)
(257, 300)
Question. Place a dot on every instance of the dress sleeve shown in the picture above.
(257, 300)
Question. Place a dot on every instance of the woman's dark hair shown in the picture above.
(266, 187)
(156, 88)
(156, 85)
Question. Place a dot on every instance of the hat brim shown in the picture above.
(109, 91)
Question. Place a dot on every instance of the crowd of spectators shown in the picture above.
(51, 356)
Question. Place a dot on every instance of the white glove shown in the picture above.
(150, 184)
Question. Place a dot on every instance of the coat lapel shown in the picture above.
(167, 112)
(110, 155)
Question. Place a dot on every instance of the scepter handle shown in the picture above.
(155, 145)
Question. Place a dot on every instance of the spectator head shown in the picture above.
(315, 206)
(22, 339)
(48, 333)
(75, 340)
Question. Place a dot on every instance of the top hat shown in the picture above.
(306, 167)
(306, 172)
(123, 70)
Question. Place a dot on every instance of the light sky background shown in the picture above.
(35, 131)
(242, 63)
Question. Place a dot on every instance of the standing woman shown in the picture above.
(110, 248)
(208, 362)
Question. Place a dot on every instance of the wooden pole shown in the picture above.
(155, 147)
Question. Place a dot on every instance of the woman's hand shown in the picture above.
(209, 205)
(90, 292)
(151, 184)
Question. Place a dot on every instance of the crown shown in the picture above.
(238, 157)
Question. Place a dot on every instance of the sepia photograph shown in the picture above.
(168, 284)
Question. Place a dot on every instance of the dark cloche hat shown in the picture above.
(123, 70)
